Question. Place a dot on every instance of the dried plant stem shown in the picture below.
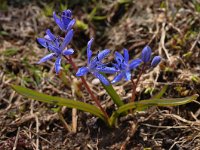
(16, 139)
(67, 127)
(37, 132)
(74, 110)
(88, 88)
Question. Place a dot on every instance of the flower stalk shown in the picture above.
(88, 88)
(135, 83)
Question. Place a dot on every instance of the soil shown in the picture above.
(170, 28)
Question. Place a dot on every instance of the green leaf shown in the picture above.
(10, 51)
(48, 9)
(93, 12)
(81, 25)
(63, 7)
(152, 102)
(160, 94)
(59, 101)
(113, 94)
(99, 17)
(124, 1)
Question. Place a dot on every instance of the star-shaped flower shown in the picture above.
(64, 21)
(95, 65)
(124, 67)
(57, 46)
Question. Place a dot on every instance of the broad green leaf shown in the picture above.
(151, 102)
(113, 94)
(58, 101)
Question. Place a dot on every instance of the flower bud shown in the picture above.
(155, 61)
(146, 54)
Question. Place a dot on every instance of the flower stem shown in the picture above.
(88, 88)
(133, 90)
(135, 84)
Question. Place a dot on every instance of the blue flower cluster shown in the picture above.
(58, 45)
(122, 67)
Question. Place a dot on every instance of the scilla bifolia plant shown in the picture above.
(121, 67)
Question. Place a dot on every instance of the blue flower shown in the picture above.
(95, 65)
(64, 21)
(57, 46)
(124, 67)
(146, 54)
(156, 60)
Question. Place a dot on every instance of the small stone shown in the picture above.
(95, 81)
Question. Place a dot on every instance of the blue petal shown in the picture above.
(128, 75)
(67, 38)
(47, 57)
(118, 57)
(146, 54)
(89, 52)
(103, 79)
(118, 78)
(110, 70)
(65, 22)
(116, 66)
(71, 23)
(82, 71)
(68, 52)
(135, 63)
(58, 21)
(126, 56)
(54, 49)
(101, 55)
(94, 63)
(48, 44)
(51, 36)
(47, 37)
(67, 13)
(44, 42)
(156, 60)
(58, 65)
(66, 19)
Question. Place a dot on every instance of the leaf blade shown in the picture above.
(58, 101)
(113, 94)
(151, 102)
(160, 94)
